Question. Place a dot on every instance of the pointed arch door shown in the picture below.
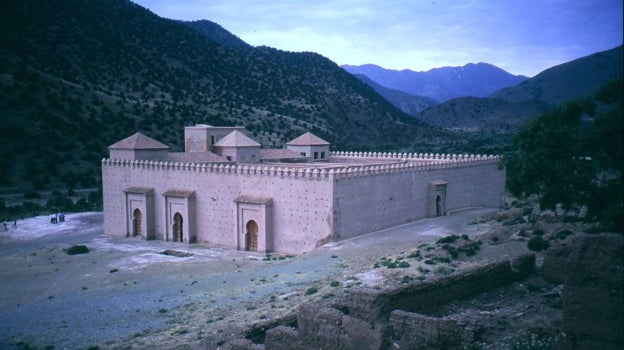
(178, 228)
(251, 236)
(137, 218)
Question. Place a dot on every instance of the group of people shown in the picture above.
(55, 218)
(6, 227)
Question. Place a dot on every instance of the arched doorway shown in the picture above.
(251, 237)
(178, 231)
(439, 210)
(137, 217)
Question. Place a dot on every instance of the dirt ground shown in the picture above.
(125, 293)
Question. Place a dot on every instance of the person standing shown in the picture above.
(14, 223)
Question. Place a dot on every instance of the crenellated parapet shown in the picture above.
(411, 163)
(413, 156)
(225, 169)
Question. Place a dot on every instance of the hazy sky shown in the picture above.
(520, 36)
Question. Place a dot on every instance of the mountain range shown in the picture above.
(441, 84)
(78, 75)
(408, 103)
(508, 108)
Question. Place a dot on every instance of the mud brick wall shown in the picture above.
(370, 319)
(371, 305)
(416, 331)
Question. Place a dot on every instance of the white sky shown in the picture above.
(520, 36)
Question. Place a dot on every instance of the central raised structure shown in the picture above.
(225, 190)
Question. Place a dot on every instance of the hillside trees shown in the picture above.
(572, 156)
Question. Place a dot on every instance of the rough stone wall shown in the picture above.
(386, 319)
(416, 331)
(370, 304)
(321, 327)
(592, 269)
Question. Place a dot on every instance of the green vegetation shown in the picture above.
(572, 157)
(311, 290)
(71, 88)
(77, 249)
(537, 244)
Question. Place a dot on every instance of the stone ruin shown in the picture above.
(590, 268)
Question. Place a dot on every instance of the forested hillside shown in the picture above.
(79, 75)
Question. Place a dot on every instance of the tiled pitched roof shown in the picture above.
(308, 139)
(236, 139)
(138, 141)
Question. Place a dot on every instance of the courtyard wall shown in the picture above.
(373, 197)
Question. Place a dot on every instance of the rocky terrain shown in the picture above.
(476, 278)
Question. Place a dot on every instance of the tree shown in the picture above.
(570, 158)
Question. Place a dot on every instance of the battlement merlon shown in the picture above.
(309, 171)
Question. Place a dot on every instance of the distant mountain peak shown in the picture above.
(444, 83)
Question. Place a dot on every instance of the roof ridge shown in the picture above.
(308, 139)
(237, 139)
(138, 141)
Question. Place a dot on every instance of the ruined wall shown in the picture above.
(373, 197)
(301, 212)
(388, 318)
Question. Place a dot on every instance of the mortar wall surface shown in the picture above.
(372, 202)
(309, 206)
(301, 206)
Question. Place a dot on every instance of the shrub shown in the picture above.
(562, 234)
(407, 279)
(404, 264)
(311, 290)
(448, 239)
(451, 250)
(334, 283)
(77, 249)
(471, 249)
(445, 270)
(537, 244)
(32, 195)
(415, 254)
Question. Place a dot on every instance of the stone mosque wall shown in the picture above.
(297, 208)
(374, 197)
(301, 200)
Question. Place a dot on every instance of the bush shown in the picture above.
(448, 239)
(311, 290)
(334, 284)
(537, 244)
(77, 249)
(31, 195)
